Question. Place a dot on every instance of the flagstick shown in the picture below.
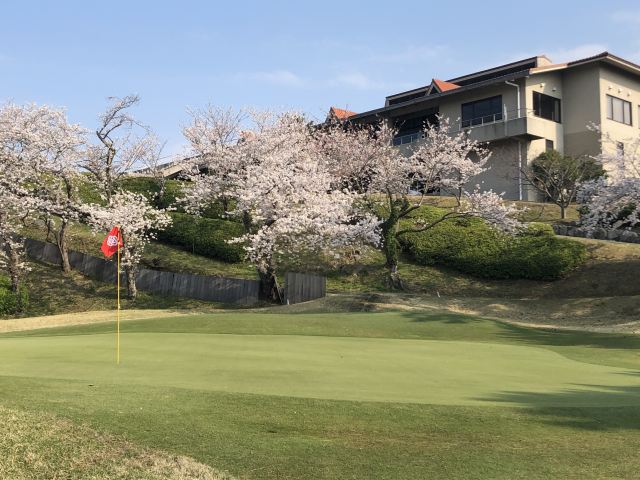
(118, 310)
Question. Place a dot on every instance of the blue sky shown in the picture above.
(301, 55)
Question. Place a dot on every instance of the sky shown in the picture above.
(299, 55)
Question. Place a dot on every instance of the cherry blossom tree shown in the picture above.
(138, 222)
(613, 201)
(214, 136)
(395, 185)
(122, 142)
(283, 191)
(13, 209)
(294, 205)
(48, 148)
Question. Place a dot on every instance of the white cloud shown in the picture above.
(279, 77)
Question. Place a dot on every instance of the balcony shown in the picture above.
(522, 123)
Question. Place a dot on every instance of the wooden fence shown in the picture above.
(201, 287)
(302, 287)
(299, 287)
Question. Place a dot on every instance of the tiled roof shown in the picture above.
(340, 113)
(444, 86)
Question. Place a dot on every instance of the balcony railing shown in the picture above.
(500, 117)
(409, 138)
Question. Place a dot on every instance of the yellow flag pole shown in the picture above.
(118, 309)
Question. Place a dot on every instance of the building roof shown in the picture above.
(340, 113)
(510, 71)
(443, 86)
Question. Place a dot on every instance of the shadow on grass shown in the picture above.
(590, 407)
(564, 338)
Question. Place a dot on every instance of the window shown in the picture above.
(618, 110)
(488, 110)
(410, 138)
(548, 144)
(546, 106)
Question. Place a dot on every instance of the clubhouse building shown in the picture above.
(520, 110)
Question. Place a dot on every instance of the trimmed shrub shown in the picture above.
(204, 236)
(538, 229)
(471, 246)
(148, 186)
(11, 303)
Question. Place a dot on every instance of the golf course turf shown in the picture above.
(418, 394)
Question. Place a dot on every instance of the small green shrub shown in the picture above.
(11, 303)
(204, 236)
(471, 246)
(149, 187)
(538, 229)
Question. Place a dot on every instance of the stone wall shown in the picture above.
(597, 233)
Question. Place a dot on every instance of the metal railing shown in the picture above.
(500, 117)
(408, 138)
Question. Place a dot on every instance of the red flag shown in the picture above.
(111, 241)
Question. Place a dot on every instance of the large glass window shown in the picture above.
(546, 106)
(618, 110)
(483, 111)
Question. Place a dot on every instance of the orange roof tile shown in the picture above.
(340, 113)
(443, 86)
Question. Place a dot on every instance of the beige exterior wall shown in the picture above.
(451, 107)
(581, 108)
(583, 93)
(551, 84)
(626, 87)
(502, 175)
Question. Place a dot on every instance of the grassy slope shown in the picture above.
(276, 436)
(36, 445)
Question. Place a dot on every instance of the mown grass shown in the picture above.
(526, 433)
(38, 446)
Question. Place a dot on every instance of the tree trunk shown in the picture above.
(132, 289)
(269, 288)
(390, 248)
(15, 273)
(161, 193)
(61, 241)
(562, 212)
(14, 269)
(246, 221)
(390, 242)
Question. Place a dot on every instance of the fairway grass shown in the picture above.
(408, 395)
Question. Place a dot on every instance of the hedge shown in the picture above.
(204, 236)
(9, 303)
(149, 187)
(471, 246)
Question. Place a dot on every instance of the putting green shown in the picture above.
(363, 369)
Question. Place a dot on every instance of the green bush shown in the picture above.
(538, 229)
(149, 187)
(471, 246)
(204, 236)
(11, 303)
